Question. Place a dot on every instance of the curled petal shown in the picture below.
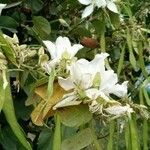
(68, 100)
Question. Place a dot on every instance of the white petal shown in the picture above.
(83, 64)
(86, 81)
(53, 62)
(2, 6)
(62, 44)
(119, 110)
(98, 64)
(100, 3)
(66, 84)
(108, 80)
(92, 93)
(85, 2)
(67, 101)
(120, 90)
(87, 11)
(51, 48)
(102, 95)
(75, 48)
(112, 6)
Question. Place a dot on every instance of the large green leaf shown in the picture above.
(75, 116)
(41, 27)
(8, 140)
(45, 140)
(79, 141)
(8, 23)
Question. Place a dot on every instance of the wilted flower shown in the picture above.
(61, 50)
(119, 110)
(91, 4)
(2, 6)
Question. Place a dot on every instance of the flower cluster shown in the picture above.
(87, 82)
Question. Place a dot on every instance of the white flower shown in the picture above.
(119, 110)
(61, 49)
(2, 6)
(81, 78)
(92, 80)
(91, 4)
(82, 73)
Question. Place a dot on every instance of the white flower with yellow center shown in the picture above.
(2, 6)
(91, 4)
(61, 49)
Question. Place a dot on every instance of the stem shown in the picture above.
(57, 134)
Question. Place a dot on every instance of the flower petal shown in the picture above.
(2, 6)
(68, 100)
(75, 48)
(100, 3)
(66, 84)
(119, 110)
(51, 48)
(92, 93)
(87, 11)
(98, 64)
(85, 2)
(120, 90)
(108, 80)
(112, 7)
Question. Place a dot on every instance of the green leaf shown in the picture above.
(75, 116)
(9, 112)
(79, 141)
(8, 140)
(8, 23)
(36, 5)
(7, 49)
(99, 26)
(141, 59)
(45, 140)
(131, 54)
(121, 60)
(41, 27)
(115, 19)
(133, 133)
(145, 134)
